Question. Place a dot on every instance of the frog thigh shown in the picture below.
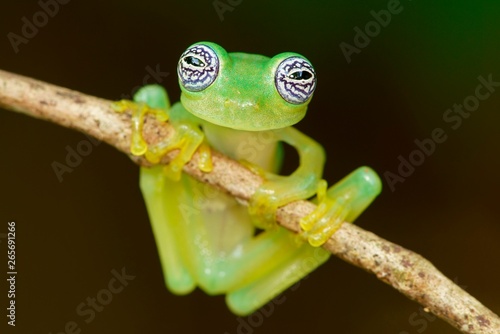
(276, 261)
(194, 230)
(229, 255)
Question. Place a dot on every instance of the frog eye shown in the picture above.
(198, 67)
(295, 80)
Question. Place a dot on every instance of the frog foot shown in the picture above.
(326, 219)
(139, 110)
(187, 139)
(344, 201)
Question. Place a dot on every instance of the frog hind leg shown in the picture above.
(194, 229)
(272, 272)
(216, 227)
(163, 198)
(276, 260)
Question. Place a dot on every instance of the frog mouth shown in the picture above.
(244, 115)
(236, 119)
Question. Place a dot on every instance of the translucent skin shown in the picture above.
(204, 237)
(243, 96)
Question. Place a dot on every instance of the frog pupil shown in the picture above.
(300, 75)
(194, 61)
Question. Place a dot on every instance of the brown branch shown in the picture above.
(403, 269)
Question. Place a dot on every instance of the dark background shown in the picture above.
(72, 234)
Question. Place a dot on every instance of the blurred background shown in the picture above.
(376, 95)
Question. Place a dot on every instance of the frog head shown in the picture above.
(245, 91)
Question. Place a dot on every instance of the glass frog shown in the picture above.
(243, 105)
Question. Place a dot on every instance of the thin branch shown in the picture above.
(403, 269)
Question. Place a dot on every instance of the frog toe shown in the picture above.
(322, 223)
(344, 201)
